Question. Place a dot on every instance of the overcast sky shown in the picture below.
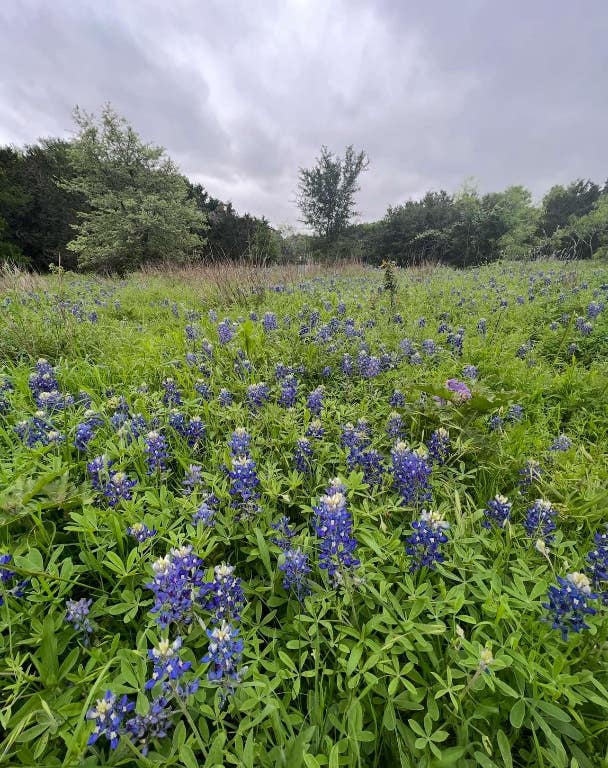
(242, 93)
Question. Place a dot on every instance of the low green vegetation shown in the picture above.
(342, 519)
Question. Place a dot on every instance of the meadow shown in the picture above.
(305, 517)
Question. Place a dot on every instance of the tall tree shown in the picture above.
(326, 192)
(139, 208)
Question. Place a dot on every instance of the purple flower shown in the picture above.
(303, 454)
(314, 402)
(411, 473)
(568, 603)
(224, 595)
(178, 577)
(77, 613)
(295, 568)
(195, 432)
(289, 391)
(497, 512)
(561, 443)
(172, 396)
(269, 322)
(167, 663)
(192, 479)
(224, 654)
(225, 397)
(257, 395)
(461, 392)
(597, 567)
(206, 512)
(239, 442)
(540, 520)
(333, 525)
(108, 714)
(397, 399)
(439, 445)
(156, 724)
(423, 545)
(225, 331)
(157, 452)
(141, 532)
(315, 429)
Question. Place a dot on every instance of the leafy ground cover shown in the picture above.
(346, 520)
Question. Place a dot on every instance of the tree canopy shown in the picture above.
(326, 192)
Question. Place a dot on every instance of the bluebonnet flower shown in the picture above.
(77, 613)
(43, 379)
(289, 391)
(429, 347)
(423, 545)
(315, 429)
(470, 372)
(108, 714)
(395, 427)
(561, 443)
(167, 663)
(314, 402)
(192, 479)
(172, 396)
(482, 326)
(421, 322)
(239, 442)
(207, 511)
(285, 532)
(515, 413)
(202, 389)
(439, 445)
(141, 532)
(224, 654)
(461, 392)
(225, 331)
(333, 525)
(497, 512)
(411, 473)
(223, 596)
(54, 401)
(523, 350)
(582, 325)
(416, 358)
(7, 575)
(191, 332)
(212, 315)
(34, 430)
(177, 421)
(118, 488)
(347, 364)
(369, 366)
(157, 452)
(594, 309)
(295, 568)
(196, 431)
(269, 322)
(302, 455)
(156, 724)
(257, 394)
(528, 474)
(177, 577)
(244, 484)
(568, 602)
(456, 340)
(597, 567)
(225, 397)
(370, 461)
(397, 399)
(495, 423)
(540, 520)
(356, 437)
(98, 470)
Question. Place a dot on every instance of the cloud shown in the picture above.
(241, 95)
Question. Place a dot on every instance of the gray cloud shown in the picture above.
(242, 94)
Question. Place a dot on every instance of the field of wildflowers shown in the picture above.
(337, 520)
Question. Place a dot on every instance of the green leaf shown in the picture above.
(505, 749)
(518, 711)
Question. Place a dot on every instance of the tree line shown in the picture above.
(107, 201)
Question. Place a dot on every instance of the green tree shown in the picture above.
(138, 204)
(326, 192)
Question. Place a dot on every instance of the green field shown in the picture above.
(344, 635)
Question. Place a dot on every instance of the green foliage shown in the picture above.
(453, 667)
(139, 209)
(326, 192)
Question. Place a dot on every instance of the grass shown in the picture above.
(389, 665)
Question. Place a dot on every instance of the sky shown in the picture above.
(242, 94)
